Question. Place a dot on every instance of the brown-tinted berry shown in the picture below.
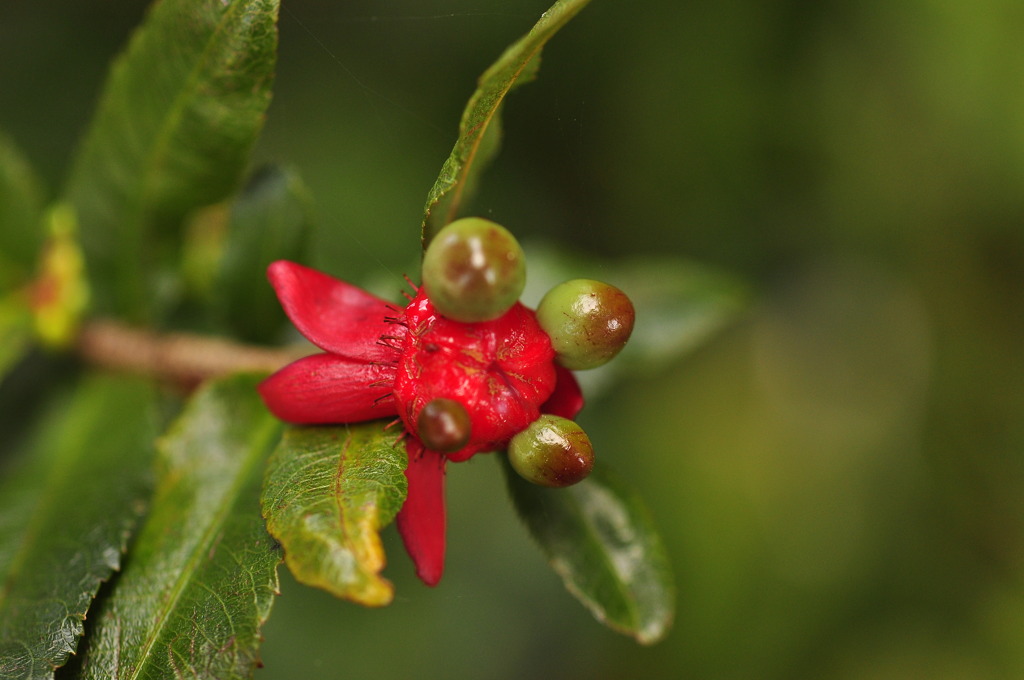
(552, 451)
(588, 321)
(444, 425)
(474, 270)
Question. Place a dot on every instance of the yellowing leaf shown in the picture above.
(327, 494)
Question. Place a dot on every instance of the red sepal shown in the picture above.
(567, 399)
(421, 521)
(334, 315)
(324, 388)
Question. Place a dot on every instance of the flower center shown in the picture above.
(500, 371)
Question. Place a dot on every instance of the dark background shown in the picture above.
(839, 475)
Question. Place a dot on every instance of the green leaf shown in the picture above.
(479, 129)
(21, 209)
(15, 331)
(21, 238)
(202, 574)
(65, 518)
(271, 220)
(679, 305)
(599, 538)
(327, 494)
(179, 113)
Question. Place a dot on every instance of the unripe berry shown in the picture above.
(552, 451)
(444, 425)
(474, 270)
(588, 321)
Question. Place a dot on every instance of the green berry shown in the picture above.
(474, 270)
(444, 425)
(588, 321)
(552, 451)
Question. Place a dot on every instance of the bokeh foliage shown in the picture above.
(840, 480)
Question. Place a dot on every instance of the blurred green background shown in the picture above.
(840, 474)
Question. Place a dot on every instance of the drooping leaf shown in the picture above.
(21, 209)
(479, 129)
(679, 305)
(179, 113)
(202, 573)
(328, 493)
(599, 538)
(271, 220)
(65, 519)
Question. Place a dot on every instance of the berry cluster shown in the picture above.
(473, 273)
(464, 366)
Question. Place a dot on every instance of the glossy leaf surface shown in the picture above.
(599, 538)
(202, 573)
(65, 517)
(180, 111)
(479, 129)
(328, 492)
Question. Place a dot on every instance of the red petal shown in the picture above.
(421, 521)
(567, 399)
(334, 315)
(324, 388)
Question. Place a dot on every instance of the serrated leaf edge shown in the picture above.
(209, 537)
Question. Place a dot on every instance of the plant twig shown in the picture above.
(183, 358)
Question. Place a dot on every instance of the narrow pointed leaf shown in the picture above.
(21, 209)
(179, 113)
(65, 518)
(202, 573)
(479, 129)
(328, 493)
(599, 538)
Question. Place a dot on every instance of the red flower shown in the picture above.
(380, 361)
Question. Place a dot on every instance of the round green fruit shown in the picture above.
(444, 425)
(588, 321)
(474, 270)
(552, 451)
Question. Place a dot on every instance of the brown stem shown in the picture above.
(183, 358)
